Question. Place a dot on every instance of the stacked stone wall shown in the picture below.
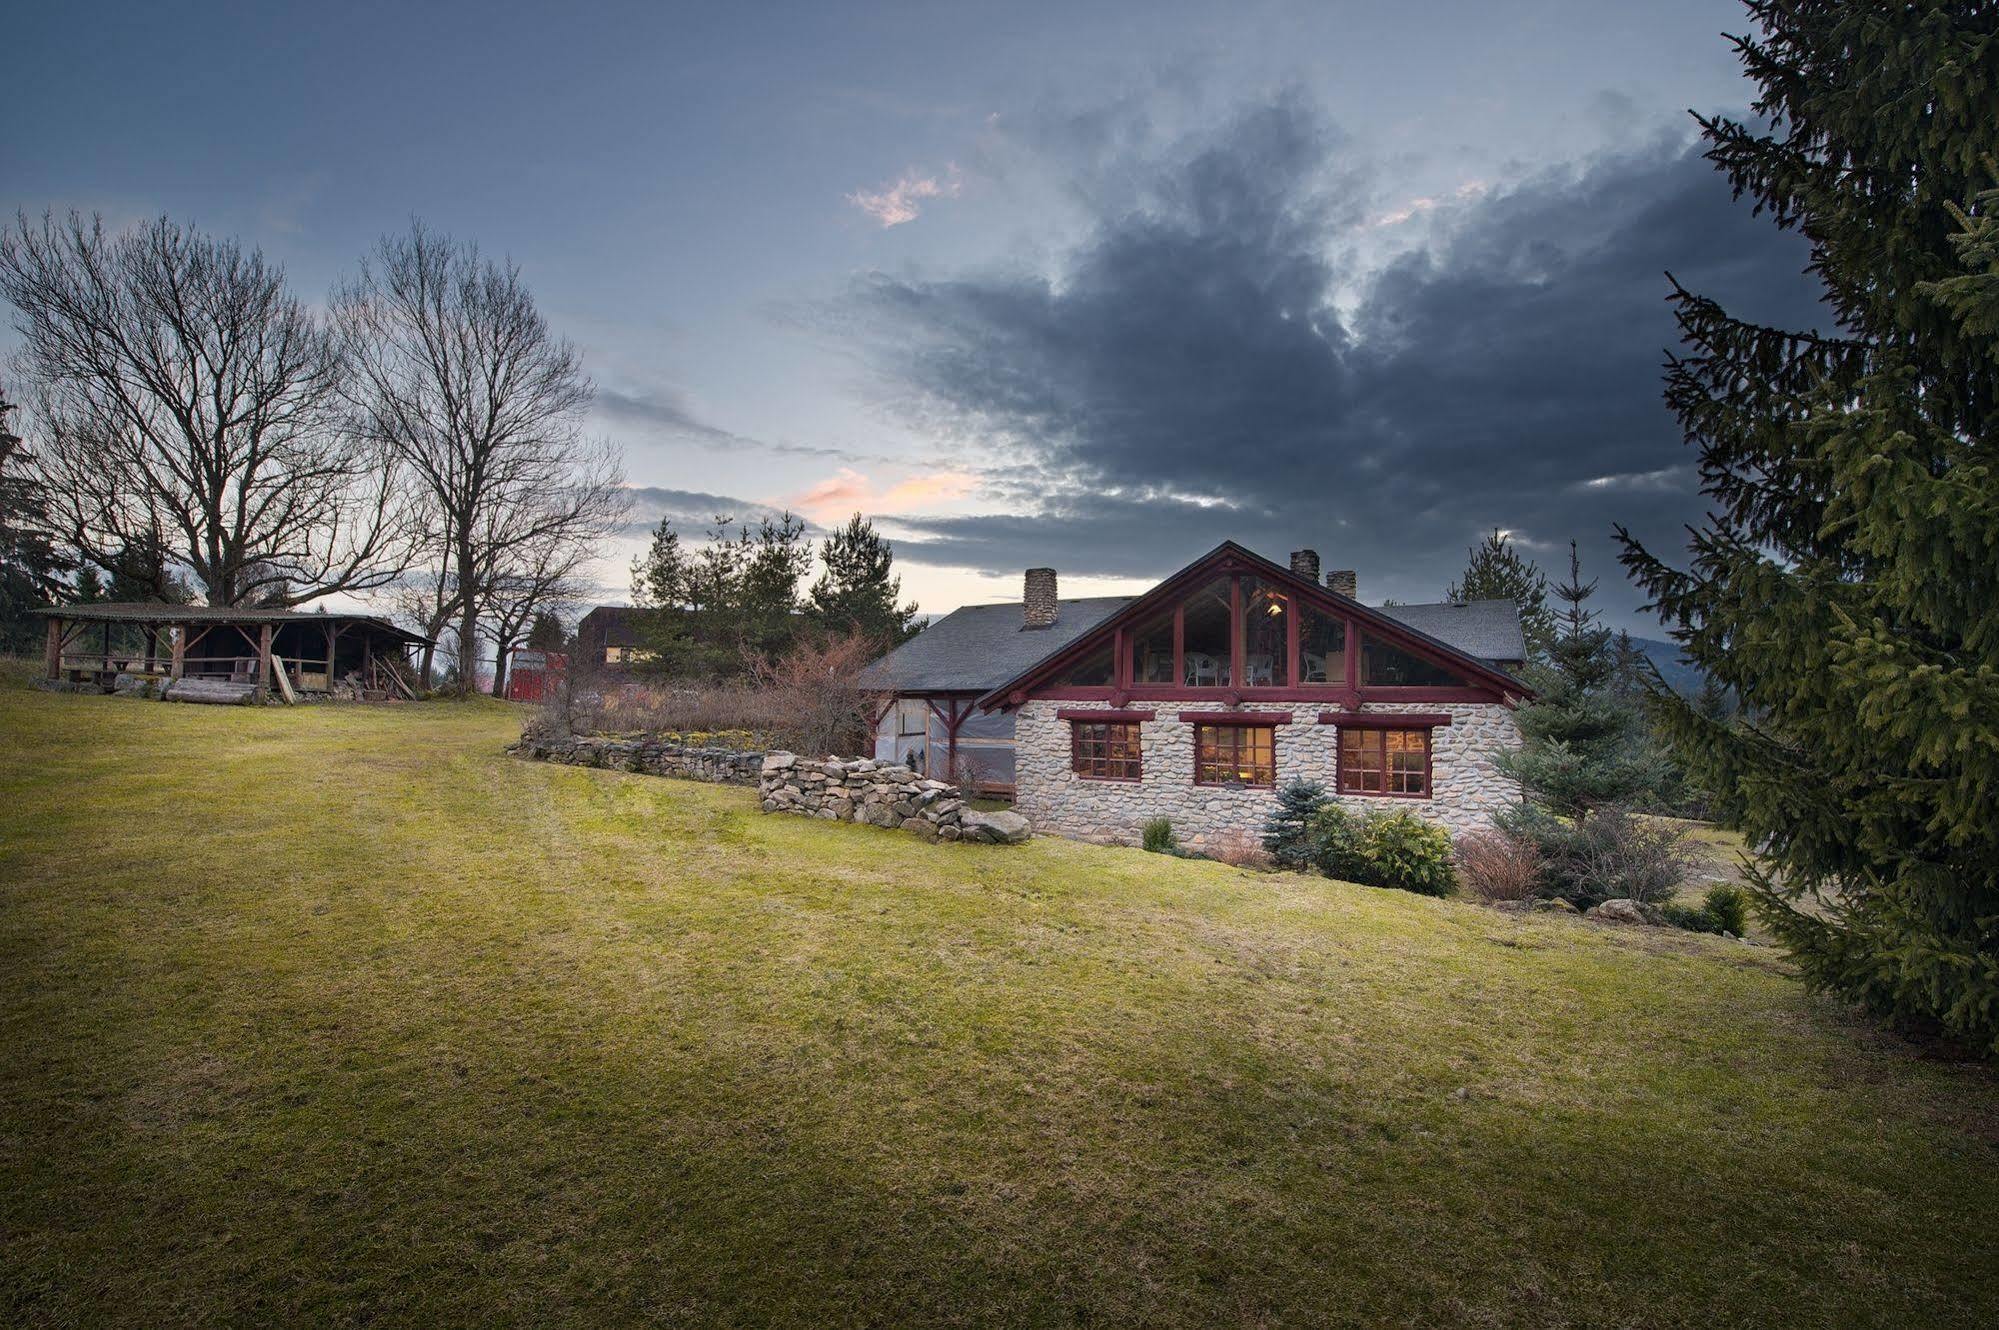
(1467, 789)
(879, 794)
(715, 766)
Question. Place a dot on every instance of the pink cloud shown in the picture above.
(849, 491)
(897, 203)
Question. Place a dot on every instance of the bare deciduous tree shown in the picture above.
(189, 404)
(458, 372)
(542, 575)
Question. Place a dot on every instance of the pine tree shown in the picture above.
(858, 593)
(545, 632)
(1844, 587)
(1497, 571)
(1582, 744)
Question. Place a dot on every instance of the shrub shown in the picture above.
(1379, 849)
(1333, 835)
(1692, 919)
(1287, 835)
(1607, 856)
(1238, 849)
(1729, 904)
(1406, 852)
(1157, 836)
(1498, 867)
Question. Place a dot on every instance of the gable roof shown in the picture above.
(166, 613)
(1228, 554)
(978, 647)
(1487, 629)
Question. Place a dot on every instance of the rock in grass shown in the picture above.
(1628, 912)
(998, 828)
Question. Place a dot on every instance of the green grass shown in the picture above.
(338, 1015)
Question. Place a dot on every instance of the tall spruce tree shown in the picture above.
(1494, 570)
(1582, 741)
(30, 563)
(1844, 586)
(858, 592)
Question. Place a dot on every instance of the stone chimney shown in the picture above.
(1343, 581)
(1038, 605)
(1305, 563)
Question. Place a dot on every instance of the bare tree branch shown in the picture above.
(191, 404)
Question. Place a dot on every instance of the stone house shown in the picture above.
(1197, 699)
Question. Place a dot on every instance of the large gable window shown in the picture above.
(1387, 762)
(1104, 752)
(1152, 652)
(1385, 666)
(1235, 755)
(1322, 648)
(1096, 670)
(1266, 635)
(1207, 615)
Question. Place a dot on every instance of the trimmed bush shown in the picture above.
(1158, 836)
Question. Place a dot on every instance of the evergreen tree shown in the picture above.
(1582, 744)
(708, 614)
(545, 632)
(857, 593)
(1497, 571)
(29, 562)
(1843, 588)
(1287, 834)
(777, 560)
(89, 584)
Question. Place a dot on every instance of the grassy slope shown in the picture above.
(339, 1015)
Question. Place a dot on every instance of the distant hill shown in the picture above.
(1680, 674)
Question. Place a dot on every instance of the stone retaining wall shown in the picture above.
(879, 794)
(717, 766)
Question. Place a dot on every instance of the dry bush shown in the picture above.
(811, 700)
(807, 701)
(1239, 849)
(1497, 867)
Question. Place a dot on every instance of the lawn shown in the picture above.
(339, 1015)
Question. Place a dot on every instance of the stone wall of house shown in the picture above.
(879, 794)
(1467, 788)
(717, 766)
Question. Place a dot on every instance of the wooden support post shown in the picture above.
(329, 660)
(107, 646)
(367, 664)
(263, 687)
(152, 646)
(53, 652)
(180, 649)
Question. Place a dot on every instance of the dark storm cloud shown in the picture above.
(692, 511)
(1186, 377)
(665, 412)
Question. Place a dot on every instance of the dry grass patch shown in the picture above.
(336, 1015)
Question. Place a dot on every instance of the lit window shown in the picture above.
(1266, 635)
(1394, 762)
(1104, 752)
(1235, 755)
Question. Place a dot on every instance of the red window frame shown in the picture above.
(1385, 763)
(1234, 749)
(1106, 750)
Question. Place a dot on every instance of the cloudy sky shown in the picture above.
(1095, 286)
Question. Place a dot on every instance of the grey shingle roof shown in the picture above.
(1487, 629)
(982, 646)
(157, 612)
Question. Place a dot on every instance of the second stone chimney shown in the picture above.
(1305, 563)
(1343, 581)
(1038, 604)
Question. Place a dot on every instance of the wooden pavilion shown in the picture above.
(223, 653)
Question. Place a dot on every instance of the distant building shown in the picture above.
(608, 640)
